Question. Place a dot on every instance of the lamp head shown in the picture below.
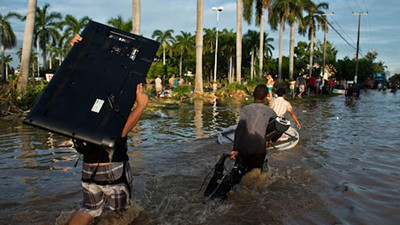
(219, 9)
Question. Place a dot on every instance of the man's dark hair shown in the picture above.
(280, 92)
(260, 92)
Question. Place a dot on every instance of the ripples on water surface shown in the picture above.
(345, 169)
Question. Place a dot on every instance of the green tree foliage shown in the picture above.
(120, 23)
(46, 24)
(32, 94)
(156, 69)
(181, 91)
(346, 69)
(302, 53)
(7, 38)
(71, 26)
(184, 44)
(227, 51)
(366, 67)
(395, 78)
(166, 39)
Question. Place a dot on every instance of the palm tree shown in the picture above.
(72, 26)
(32, 63)
(52, 50)
(265, 4)
(61, 51)
(251, 39)
(119, 23)
(198, 88)
(7, 39)
(209, 37)
(184, 43)
(371, 56)
(46, 28)
(228, 49)
(260, 6)
(239, 8)
(280, 12)
(314, 17)
(165, 38)
(295, 14)
(27, 46)
(209, 40)
(136, 17)
(268, 46)
(6, 61)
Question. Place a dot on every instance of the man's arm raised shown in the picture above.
(141, 99)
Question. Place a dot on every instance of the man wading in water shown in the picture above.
(250, 134)
(281, 106)
(104, 179)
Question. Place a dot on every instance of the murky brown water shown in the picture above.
(345, 170)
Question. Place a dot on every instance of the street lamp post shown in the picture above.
(218, 9)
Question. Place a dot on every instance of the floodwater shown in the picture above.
(345, 169)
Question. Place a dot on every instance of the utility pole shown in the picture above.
(324, 54)
(358, 41)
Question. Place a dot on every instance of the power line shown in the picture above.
(343, 32)
(358, 4)
(340, 35)
(365, 5)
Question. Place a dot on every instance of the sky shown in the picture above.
(380, 28)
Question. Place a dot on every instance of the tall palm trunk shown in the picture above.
(27, 46)
(291, 51)
(136, 17)
(239, 9)
(230, 69)
(280, 49)
(311, 52)
(180, 64)
(44, 59)
(163, 56)
(37, 53)
(3, 75)
(50, 63)
(198, 88)
(7, 72)
(261, 43)
(252, 64)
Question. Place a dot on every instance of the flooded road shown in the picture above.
(345, 169)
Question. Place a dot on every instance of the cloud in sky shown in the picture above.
(380, 31)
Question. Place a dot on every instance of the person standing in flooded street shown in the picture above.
(107, 178)
(270, 86)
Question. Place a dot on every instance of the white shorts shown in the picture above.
(301, 88)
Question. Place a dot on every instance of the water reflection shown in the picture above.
(198, 118)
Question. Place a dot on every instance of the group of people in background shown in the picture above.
(313, 86)
(353, 91)
(388, 85)
(173, 82)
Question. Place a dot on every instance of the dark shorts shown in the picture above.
(97, 196)
(252, 161)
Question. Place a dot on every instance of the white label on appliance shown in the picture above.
(97, 105)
